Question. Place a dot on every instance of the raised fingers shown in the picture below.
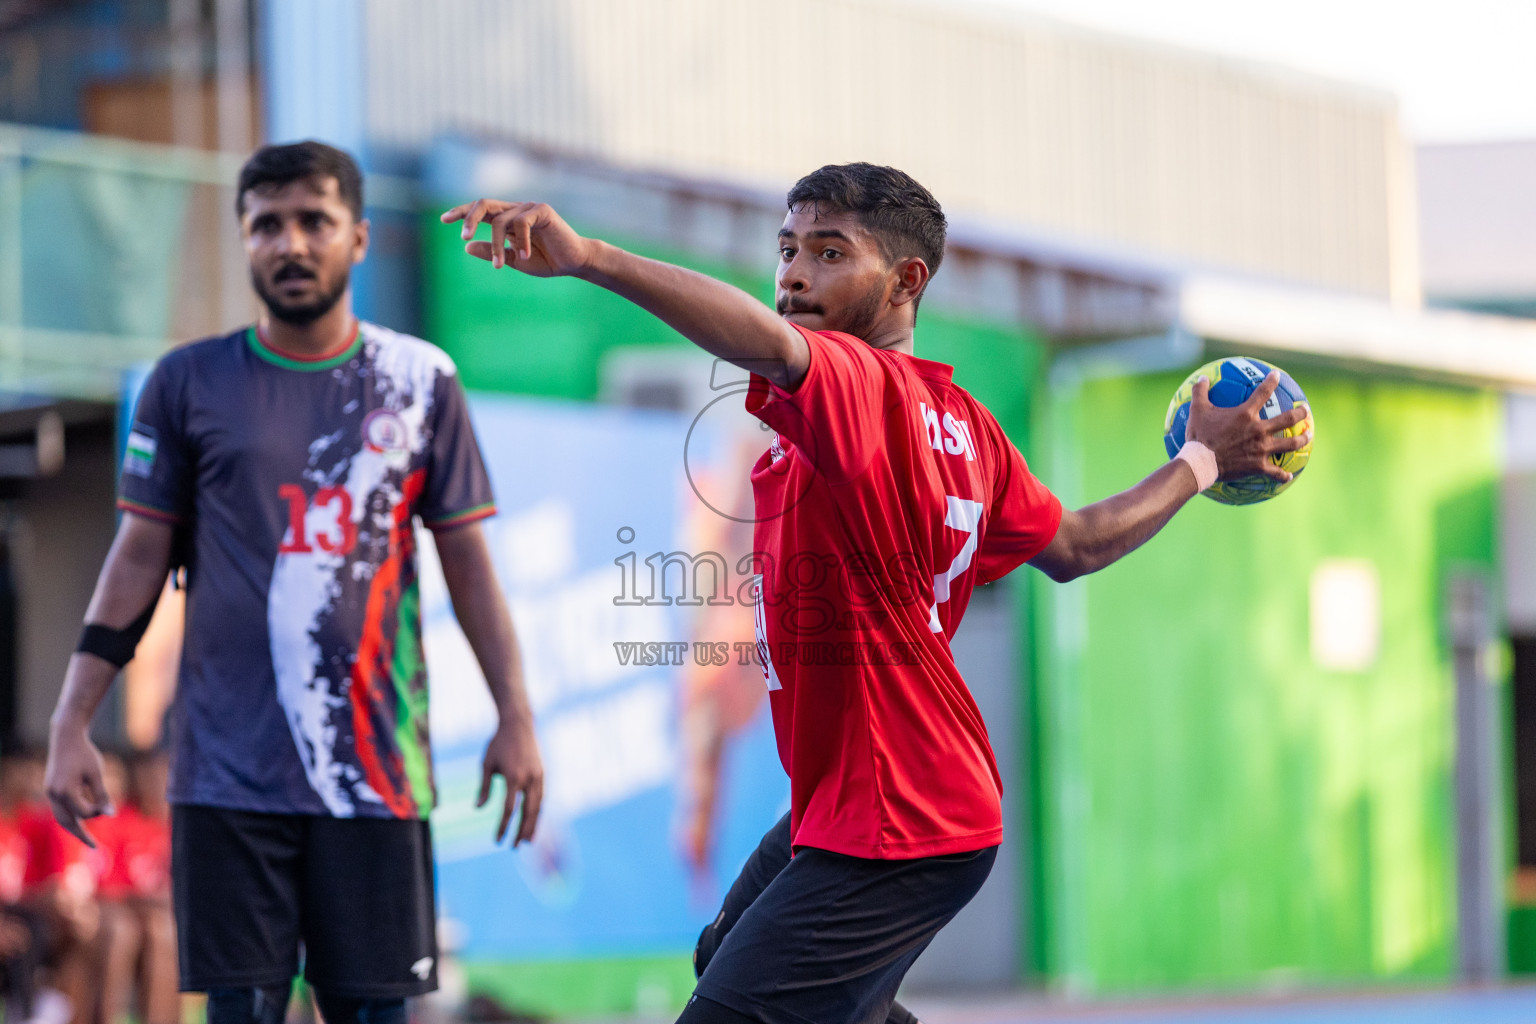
(1200, 394)
(533, 796)
(1260, 396)
(486, 771)
(512, 222)
(522, 230)
(506, 812)
(499, 235)
(472, 218)
(473, 214)
(1290, 444)
(1288, 419)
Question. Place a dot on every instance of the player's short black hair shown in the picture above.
(276, 166)
(902, 215)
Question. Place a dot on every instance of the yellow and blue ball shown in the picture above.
(1232, 381)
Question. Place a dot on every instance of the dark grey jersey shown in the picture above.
(296, 482)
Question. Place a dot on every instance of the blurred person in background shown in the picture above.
(137, 951)
(57, 898)
(149, 877)
(886, 494)
(284, 466)
(23, 935)
(118, 934)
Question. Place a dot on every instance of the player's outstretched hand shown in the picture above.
(73, 780)
(530, 237)
(1242, 441)
(513, 753)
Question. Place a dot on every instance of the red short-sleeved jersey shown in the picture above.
(887, 494)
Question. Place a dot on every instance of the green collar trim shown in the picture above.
(289, 362)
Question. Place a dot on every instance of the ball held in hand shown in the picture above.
(1232, 381)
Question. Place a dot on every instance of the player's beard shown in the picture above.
(858, 319)
(301, 314)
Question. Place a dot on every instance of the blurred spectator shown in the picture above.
(60, 884)
(87, 936)
(49, 908)
(147, 860)
(117, 937)
(22, 937)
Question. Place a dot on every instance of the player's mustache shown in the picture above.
(289, 271)
(789, 306)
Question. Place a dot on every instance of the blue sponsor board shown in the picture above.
(623, 863)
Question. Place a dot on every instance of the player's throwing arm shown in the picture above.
(721, 319)
(1221, 443)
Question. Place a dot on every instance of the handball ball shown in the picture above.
(1232, 381)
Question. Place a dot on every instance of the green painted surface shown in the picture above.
(1217, 810)
(653, 986)
(1521, 939)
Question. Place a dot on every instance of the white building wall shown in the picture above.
(1038, 124)
(1477, 208)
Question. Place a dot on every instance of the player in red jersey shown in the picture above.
(886, 495)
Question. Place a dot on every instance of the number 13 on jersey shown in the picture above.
(335, 531)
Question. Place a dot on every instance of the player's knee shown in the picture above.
(347, 1010)
(248, 1005)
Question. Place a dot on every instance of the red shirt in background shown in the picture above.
(13, 861)
(53, 855)
(887, 495)
(133, 855)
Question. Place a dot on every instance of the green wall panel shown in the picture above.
(1521, 940)
(1218, 811)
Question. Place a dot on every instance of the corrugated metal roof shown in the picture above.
(1073, 132)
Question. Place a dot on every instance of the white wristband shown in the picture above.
(1201, 461)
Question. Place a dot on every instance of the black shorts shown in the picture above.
(357, 892)
(827, 937)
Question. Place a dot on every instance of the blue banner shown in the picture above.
(661, 768)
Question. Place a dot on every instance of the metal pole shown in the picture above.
(232, 39)
(1480, 861)
(187, 120)
(11, 319)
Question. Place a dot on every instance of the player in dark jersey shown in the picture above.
(285, 466)
(886, 495)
